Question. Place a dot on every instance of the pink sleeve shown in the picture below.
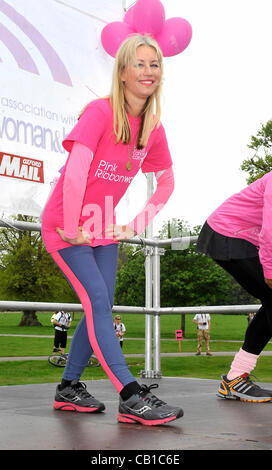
(265, 250)
(165, 187)
(74, 187)
(158, 156)
(90, 126)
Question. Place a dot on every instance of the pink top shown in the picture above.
(95, 177)
(165, 187)
(248, 215)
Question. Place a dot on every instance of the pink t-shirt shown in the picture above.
(248, 215)
(108, 177)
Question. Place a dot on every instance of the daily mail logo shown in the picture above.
(27, 169)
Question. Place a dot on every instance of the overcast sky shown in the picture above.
(217, 94)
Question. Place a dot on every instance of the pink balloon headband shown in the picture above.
(148, 17)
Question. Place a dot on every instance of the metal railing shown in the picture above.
(153, 248)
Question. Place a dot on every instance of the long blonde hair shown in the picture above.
(150, 116)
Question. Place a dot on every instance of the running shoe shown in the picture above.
(76, 398)
(145, 408)
(242, 388)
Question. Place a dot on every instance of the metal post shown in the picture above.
(148, 290)
(147, 373)
(156, 305)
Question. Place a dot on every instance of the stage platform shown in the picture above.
(29, 422)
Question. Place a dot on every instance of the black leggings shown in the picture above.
(248, 273)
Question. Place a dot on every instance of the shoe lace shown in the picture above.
(81, 389)
(149, 397)
(247, 379)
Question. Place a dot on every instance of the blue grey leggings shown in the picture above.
(92, 272)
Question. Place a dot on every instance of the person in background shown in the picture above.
(114, 138)
(120, 329)
(62, 322)
(203, 322)
(250, 316)
(237, 236)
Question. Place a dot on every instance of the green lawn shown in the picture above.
(224, 327)
(30, 372)
(11, 346)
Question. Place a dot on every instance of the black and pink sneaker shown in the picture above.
(75, 397)
(145, 408)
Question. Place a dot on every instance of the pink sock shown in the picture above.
(243, 363)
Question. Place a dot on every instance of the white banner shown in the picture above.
(52, 64)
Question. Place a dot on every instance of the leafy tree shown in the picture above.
(261, 162)
(130, 279)
(27, 272)
(123, 254)
(187, 277)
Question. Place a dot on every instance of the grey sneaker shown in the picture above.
(242, 388)
(76, 398)
(145, 408)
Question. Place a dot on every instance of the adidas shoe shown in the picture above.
(76, 398)
(242, 388)
(145, 408)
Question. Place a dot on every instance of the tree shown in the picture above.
(130, 279)
(261, 162)
(187, 277)
(28, 273)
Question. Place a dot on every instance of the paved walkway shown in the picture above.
(29, 422)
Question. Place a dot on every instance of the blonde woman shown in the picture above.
(113, 139)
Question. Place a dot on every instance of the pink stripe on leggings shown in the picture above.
(87, 306)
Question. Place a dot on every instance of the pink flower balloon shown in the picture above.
(128, 18)
(113, 34)
(148, 16)
(174, 37)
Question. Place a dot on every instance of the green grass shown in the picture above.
(224, 327)
(35, 372)
(210, 367)
(11, 346)
(9, 324)
(31, 372)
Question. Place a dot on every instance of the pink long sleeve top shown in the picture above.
(95, 177)
(248, 215)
